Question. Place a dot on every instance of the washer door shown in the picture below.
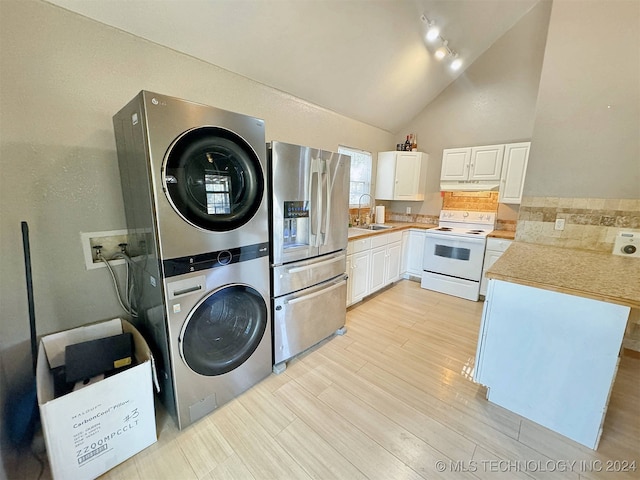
(213, 179)
(223, 330)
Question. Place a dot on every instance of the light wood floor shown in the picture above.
(389, 400)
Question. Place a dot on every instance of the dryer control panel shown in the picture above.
(205, 261)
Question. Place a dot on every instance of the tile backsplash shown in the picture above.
(412, 218)
(590, 223)
(476, 201)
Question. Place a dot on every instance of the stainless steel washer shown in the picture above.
(194, 190)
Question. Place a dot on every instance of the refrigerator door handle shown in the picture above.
(315, 210)
(312, 205)
(326, 194)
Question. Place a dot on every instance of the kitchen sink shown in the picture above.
(375, 227)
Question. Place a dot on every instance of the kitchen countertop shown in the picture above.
(597, 275)
(503, 234)
(355, 232)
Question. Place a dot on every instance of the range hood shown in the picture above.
(469, 186)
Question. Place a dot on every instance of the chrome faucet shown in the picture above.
(360, 206)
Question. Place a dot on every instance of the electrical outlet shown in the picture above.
(408, 210)
(109, 242)
(559, 224)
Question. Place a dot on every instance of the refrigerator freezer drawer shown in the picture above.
(305, 318)
(306, 273)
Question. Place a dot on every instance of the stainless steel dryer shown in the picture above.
(194, 191)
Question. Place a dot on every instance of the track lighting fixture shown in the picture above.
(433, 35)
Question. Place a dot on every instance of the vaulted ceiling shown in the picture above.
(366, 59)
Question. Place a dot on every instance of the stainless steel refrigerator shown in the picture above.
(309, 219)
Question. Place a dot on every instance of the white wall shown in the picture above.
(63, 77)
(586, 138)
(493, 101)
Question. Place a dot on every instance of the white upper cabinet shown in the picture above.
(401, 176)
(472, 163)
(455, 163)
(516, 157)
(486, 162)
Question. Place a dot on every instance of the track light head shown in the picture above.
(456, 63)
(441, 53)
(433, 33)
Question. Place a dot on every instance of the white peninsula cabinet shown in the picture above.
(514, 168)
(551, 333)
(401, 176)
(472, 163)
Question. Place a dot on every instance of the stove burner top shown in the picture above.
(467, 231)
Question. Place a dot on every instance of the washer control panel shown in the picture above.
(627, 244)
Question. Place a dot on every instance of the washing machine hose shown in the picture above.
(126, 303)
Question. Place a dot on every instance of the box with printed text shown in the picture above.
(95, 427)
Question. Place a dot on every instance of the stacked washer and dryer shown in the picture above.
(194, 191)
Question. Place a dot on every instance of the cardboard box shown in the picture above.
(93, 429)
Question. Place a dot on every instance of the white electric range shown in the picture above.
(454, 253)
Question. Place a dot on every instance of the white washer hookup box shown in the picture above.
(93, 429)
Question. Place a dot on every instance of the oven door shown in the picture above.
(455, 256)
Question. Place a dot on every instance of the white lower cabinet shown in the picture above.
(394, 262)
(359, 277)
(412, 252)
(386, 256)
(358, 252)
(494, 249)
(372, 263)
(378, 265)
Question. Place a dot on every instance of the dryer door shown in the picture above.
(223, 330)
(213, 179)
